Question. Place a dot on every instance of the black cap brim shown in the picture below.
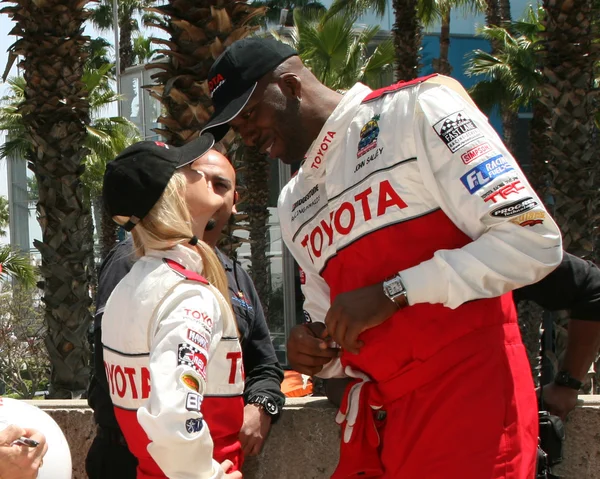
(193, 150)
(218, 124)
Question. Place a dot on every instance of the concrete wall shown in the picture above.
(303, 445)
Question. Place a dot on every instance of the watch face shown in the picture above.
(271, 407)
(394, 287)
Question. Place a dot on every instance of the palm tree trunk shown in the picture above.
(55, 112)
(105, 226)
(504, 11)
(256, 179)
(125, 42)
(441, 65)
(407, 39)
(509, 128)
(572, 158)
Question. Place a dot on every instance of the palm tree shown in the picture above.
(275, 7)
(572, 158)
(55, 113)
(337, 53)
(143, 51)
(407, 30)
(105, 138)
(513, 79)
(102, 18)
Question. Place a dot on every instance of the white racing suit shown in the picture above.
(174, 368)
(413, 179)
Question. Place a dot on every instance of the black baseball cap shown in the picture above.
(234, 75)
(135, 180)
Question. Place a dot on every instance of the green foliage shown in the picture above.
(143, 51)
(102, 16)
(17, 266)
(105, 139)
(511, 77)
(337, 53)
(357, 8)
(307, 8)
(4, 215)
(24, 362)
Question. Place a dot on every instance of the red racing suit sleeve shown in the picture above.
(186, 329)
(480, 187)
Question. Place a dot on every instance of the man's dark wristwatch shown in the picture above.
(269, 406)
(564, 378)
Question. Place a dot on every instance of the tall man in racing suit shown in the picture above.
(411, 221)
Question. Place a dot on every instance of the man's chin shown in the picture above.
(210, 225)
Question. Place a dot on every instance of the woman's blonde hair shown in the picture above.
(168, 224)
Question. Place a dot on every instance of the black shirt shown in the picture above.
(263, 372)
(574, 286)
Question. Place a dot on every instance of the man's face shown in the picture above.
(271, 121)
(220, 175)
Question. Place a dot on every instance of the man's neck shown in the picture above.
(326, 101)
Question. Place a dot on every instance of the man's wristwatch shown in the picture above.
(269, 406)
(394, 289)
(564, 378)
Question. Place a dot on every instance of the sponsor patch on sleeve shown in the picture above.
(485, 172)
(193, 401)
(200, 317)
(530, 218)
(194, 425)
(190, 382)
(515, 208)
(190, 355)
(457, 130)
(198, 339)
(500, 192)
(475, 152)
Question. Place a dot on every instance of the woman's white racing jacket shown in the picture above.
(174, 367)
(413, 179)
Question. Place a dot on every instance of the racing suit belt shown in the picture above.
(361, 412)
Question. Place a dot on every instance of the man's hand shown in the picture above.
(20, 462)
(309, 348)
(226, 466)
(559, 400)
(254, 432)
(356, 311)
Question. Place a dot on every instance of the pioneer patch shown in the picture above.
(457, 130)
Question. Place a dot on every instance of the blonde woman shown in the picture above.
(170, 341)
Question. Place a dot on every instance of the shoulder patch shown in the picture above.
(396, 87)
(185, 273)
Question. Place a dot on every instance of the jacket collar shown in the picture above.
(186, 257)
(337, 124)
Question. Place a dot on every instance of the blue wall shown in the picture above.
(460, 47)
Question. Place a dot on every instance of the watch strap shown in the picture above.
(564, 378)
(268, 404)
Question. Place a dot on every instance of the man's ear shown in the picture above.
(291, 85)
(236, 198)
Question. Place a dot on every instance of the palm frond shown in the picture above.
(17, 266)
